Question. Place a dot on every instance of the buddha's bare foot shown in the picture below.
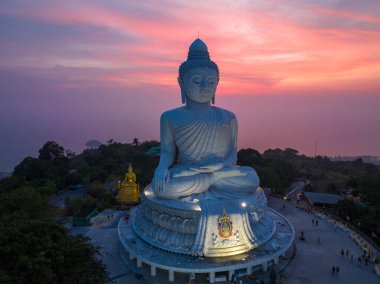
(228, 172)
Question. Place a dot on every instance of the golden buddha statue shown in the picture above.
(129, 190)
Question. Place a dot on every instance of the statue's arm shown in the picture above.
(232, 154)
(167, 156)
(168, 148)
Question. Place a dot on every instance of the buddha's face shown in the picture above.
(199, 84)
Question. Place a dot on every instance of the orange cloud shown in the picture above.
(260, 48)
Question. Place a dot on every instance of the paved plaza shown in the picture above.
(312, 264)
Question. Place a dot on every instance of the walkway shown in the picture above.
(313, 262)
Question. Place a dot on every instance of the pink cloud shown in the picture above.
(258, 47)
(289, 70)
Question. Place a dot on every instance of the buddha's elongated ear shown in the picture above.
(183, 95)
(217, 82)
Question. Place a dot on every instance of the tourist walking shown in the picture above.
(233, 278)
(333, 270)
(342, 253)
(347, 252)
(337, 270)
(360, 261)
(316, 223)
(312, 221)
(302, 238)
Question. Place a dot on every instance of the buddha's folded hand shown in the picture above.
(161, 176)
(185, 173)
(209, 168)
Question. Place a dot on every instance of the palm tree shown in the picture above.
(135, 142)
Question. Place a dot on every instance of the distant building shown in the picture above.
(154, 151)
(322, 199)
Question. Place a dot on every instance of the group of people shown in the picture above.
(302, 236)
(335, 270)
(139, 276)
(364, 259)
(315, 223)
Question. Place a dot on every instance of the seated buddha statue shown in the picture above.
(199, 140)
(128, 189)
(130, 176)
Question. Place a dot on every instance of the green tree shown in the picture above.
(348, 208)
(80, 206)
(13, 182)
(96, 189)
(73, 178)
(108, 200)
(38, 171)
(34, 169)
(135, 142)
(35, 248)
(273, 167)
(48, 188)
(24, 203)
(52, 151)
(42, 251)
(369, 186)
(308, 188)
(250, 157)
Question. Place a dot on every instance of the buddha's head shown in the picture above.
(130, 169)
(198, 75)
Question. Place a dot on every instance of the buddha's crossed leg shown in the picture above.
(228, 182)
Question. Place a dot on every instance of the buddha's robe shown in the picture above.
(198, 139)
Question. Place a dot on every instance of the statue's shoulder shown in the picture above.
(228, 115)
(172, 115)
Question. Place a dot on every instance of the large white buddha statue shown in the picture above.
(198, 140)
(200, 202)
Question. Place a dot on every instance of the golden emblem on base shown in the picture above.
(225, 225)
(129, 190)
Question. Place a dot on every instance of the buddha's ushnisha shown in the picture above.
(202, 137)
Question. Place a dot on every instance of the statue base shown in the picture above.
(209, 227)
(259, 259)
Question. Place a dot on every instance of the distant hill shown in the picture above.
(93, 144)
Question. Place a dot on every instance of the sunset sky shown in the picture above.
(294, 72)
